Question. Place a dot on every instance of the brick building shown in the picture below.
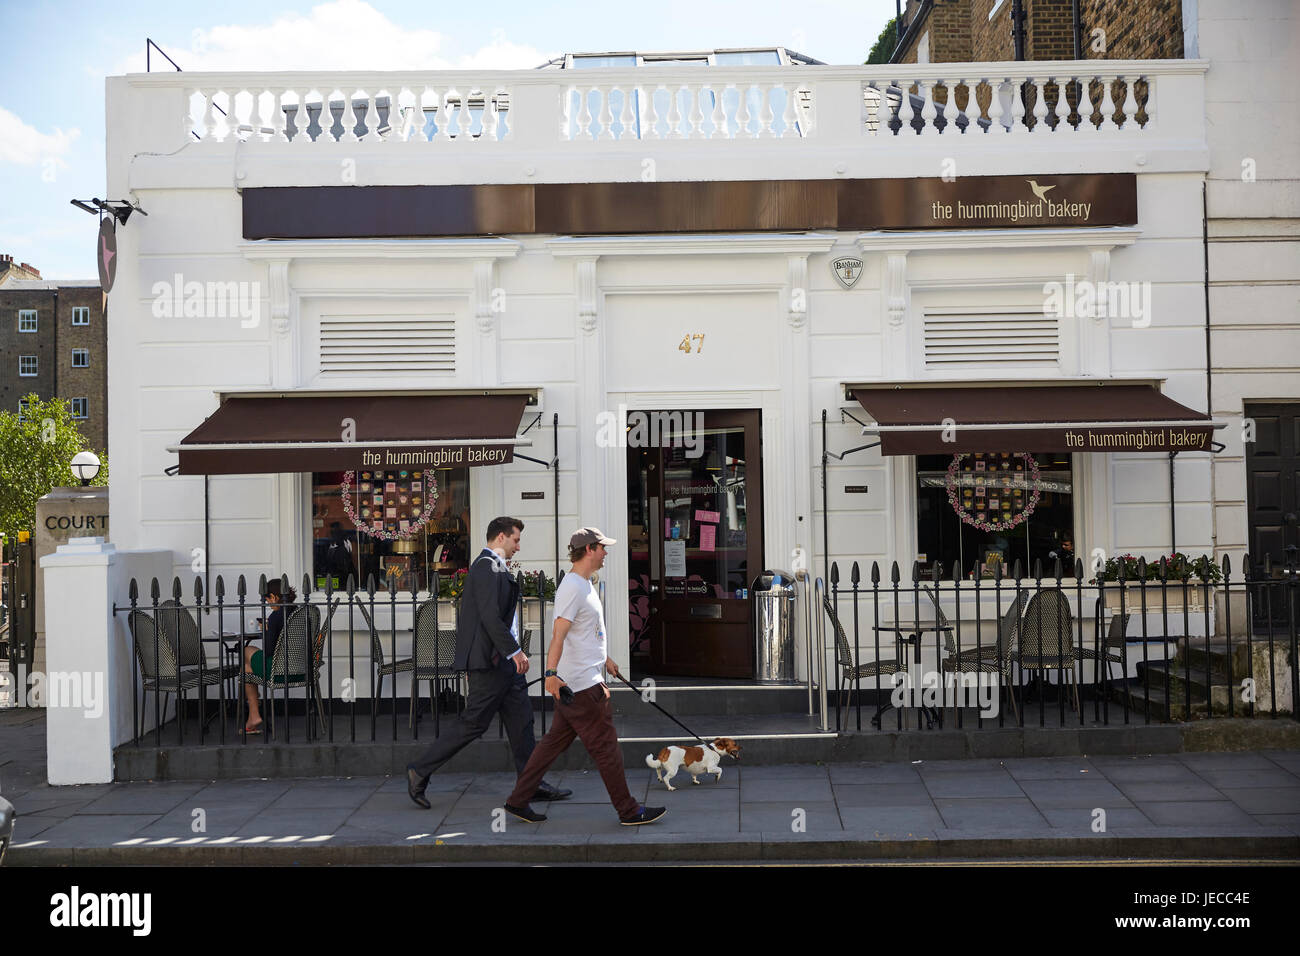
(980, 31)
(53, 341)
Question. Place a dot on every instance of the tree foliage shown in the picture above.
(885, 43)
(35, 456)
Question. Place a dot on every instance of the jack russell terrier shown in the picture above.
(696, 760)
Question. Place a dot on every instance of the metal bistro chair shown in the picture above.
(160, 671)
(295, 663)
(177, 622)
(432, 644)
(382, 670)
(849, 671)
(1110, 649)
(983, 658)
(1047, 640)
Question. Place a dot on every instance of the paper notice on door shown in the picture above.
(674, 559)
(707, 516)
(707, 532)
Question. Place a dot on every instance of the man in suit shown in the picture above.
(487, 646)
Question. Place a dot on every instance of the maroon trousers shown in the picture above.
(590, 718)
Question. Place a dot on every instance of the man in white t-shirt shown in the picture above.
(577, 658)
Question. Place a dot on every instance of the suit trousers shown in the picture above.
(590, 718)
(499, 689)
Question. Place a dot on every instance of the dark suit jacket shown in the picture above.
(487, 606)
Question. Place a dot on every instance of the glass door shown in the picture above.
(695, 544)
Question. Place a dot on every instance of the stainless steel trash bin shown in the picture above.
(774, 623)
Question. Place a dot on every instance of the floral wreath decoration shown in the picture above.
(375, 529)
(979, 521)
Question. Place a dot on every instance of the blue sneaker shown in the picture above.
(643, 815)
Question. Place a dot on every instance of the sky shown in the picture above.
(57, 55)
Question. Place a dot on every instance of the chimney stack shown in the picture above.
(32, 269)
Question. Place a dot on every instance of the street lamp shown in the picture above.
(85, 464)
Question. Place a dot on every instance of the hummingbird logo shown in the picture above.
(1039, 191)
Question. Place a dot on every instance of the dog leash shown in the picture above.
(672, 718)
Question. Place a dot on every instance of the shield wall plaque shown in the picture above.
(847, 270)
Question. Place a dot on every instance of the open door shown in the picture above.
(695, 516)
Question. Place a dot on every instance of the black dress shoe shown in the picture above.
(546, 792)
(415, 788)
(527, 814)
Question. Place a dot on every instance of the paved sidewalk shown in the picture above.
(1182, 805)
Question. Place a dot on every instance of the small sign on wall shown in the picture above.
(532, 495)
(855, 489)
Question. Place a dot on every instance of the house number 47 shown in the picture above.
(685, 345)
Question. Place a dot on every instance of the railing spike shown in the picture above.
(835, 573)
(1056, 568)
(1164, 569)
(306, 584)
(855, 576)
(1038, 569)
(894, 576)
(241, 589)
(177, 590)
(392, 584)
(997, 572)
(154, 590)
(1227, 568)
(1078, 568)
(133, 592)
(916, 571)
(956, 570)
(220, 589)
(351, 585)
(1142, 568)
(935, 572)
(198, 589)
(370, 584)
(875, 572)
(1016, 571)
(261, 585)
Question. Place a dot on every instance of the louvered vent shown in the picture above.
(387, 343)
(991, 339)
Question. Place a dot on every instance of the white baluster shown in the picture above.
(697, 112)
(768, 116)
(213, 115)
(278, 119)
(1130, 105)
(928, 108)
(411, 117)
(1086, 104)
(1150, 106)
(742, 113)
(626, 115)
(349, 118)
(789, 115)
(652, 114)
(719, 114)
(606, 117)
(1040, 104)
(675, 113)
(371, 134)
(491, 117)
(195, 125)
(446, 118)
(301, 139)
(1017, 108)
(995, 106)
(906, 111)
(464, 118)
(1107, 103)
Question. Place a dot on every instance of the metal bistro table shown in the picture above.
(911, 632)
(232, 642)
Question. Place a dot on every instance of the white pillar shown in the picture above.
(89, 671)
(80, 656)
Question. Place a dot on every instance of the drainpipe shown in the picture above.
(1209, 363)
(1018, 28)
(1078, 29)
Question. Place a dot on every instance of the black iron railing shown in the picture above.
(1160, 642)
(196, 650)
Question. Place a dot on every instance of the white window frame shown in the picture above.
(81, 312)
(36, 366)
(85, 354)
(85, 408)
(34, 315)
(23, 405)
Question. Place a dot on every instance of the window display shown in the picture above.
(401, 525)
(981, 510)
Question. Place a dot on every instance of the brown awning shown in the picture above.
(945, 418)
(303, 432)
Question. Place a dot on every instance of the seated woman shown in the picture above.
(259, 662)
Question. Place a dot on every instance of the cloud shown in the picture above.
(341, 35)
(26, 145)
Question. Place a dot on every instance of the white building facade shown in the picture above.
(254, 277)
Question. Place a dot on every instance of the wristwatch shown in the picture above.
(551, 673)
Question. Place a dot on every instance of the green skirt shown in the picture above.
(262, 668)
